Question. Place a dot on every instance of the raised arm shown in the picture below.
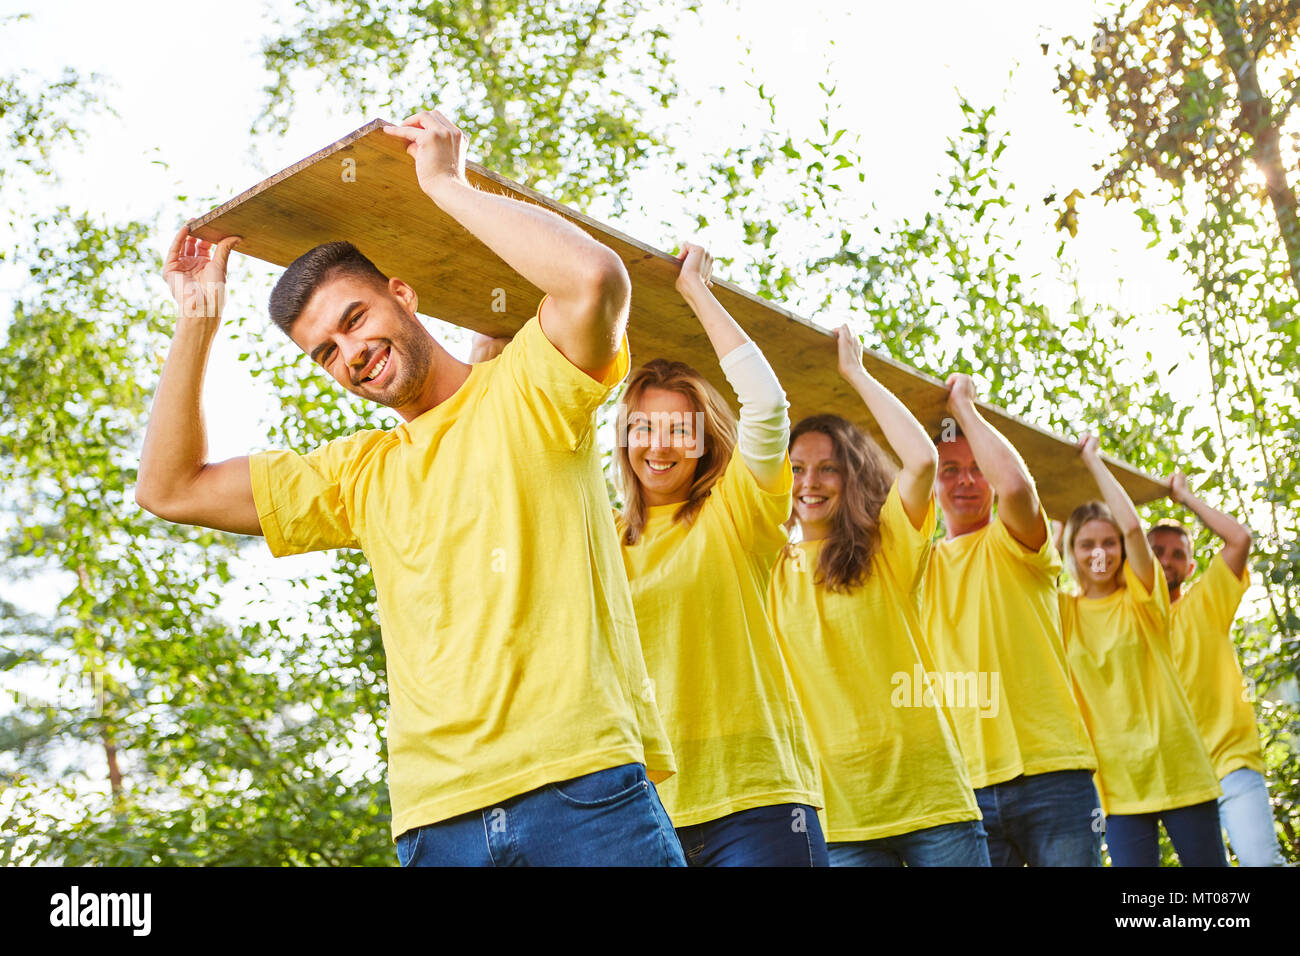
(1235, 535)
(176, 481)
(764, 432)
(587, 284)
(904, 433)
(1058, 537)
(1018, 504)
(486, 347)
(1136, 549)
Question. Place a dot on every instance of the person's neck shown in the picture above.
(1099, 589)
(655, 501)
(446, 376)
(818, 531)
(1175, 592)
(956, 528)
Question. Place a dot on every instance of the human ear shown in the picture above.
(404, 294)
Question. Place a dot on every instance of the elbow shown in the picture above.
(924, 469)
(1132, 531)
(149, 501)
(607, 282)
(154, 501)
(1021, 495)
(144, 498)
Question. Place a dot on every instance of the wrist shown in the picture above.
(443, 188)
(691, 288)
(205, 325)
(961, 408)
(858, 377)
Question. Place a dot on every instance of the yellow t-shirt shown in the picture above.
(991, 620)
(1149, 754)
(722, 687)
(1201, 639)
(507, 623)
(888, 760)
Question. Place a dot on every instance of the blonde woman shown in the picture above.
(1152, 766)
(704, 507)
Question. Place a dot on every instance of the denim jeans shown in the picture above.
(1246, 815)
(1047, 819)
(949, 844)
(611, 817)
(787, 834)
(1133, 839)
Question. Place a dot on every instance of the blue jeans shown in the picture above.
(611, 817)
(787, 834)
(1047, 819)
(1133, 838)
(949, 844)
(1245, 813)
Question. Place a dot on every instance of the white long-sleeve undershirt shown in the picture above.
(764, 427)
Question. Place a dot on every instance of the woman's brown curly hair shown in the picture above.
(867, 475)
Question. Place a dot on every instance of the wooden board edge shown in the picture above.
(479, 171)
(359, 133)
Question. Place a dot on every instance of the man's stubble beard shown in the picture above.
(415, 365)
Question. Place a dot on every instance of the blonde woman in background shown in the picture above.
(1152, 766)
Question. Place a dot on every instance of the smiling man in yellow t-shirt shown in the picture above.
(520, 727)
(991, 620)
(1220, 698)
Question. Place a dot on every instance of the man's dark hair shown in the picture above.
(1169, 524)
(309, 272)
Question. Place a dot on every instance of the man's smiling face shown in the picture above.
(366, 335)
(964, 493)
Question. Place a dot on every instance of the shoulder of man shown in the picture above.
(1046, 559)
(1217, 587)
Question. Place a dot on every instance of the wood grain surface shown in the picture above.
(362, 188)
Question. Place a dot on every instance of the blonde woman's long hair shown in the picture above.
(719, 440)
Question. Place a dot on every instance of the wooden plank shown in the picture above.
(363, 188)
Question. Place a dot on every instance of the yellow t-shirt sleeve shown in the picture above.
(1151, 606)
(1046, 560)
(562, 396)
(1065, 604)
(758, 515)
(1215, 598)
(305, 502)
(905, 548)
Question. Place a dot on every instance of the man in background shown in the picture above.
(1220, 697)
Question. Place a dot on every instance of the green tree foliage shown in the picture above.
(34, 116)
(1201, 90)
(217, 739)
(551, 94)
(1203, 95)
